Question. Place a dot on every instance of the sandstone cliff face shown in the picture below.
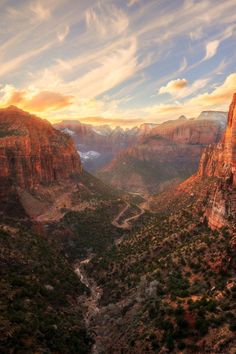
(168, 154)
(195, 131)
(32, 152)
(98, 138)
(220, 161)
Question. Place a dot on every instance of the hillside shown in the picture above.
(40, 312)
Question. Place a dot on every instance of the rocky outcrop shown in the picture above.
(32, 152)
(98, 138)
(220, 162)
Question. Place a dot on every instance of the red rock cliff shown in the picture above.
(32, 152)
(220, 161)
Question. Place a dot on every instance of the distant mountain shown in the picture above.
(166, 155)
(99, 144)
(214, 115)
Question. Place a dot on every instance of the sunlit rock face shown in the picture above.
(32, 152)
(204, 130)
(220, 161)
(167, 155)
(229, 143)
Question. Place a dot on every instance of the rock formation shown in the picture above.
(32, 152)
(220, 162)
(192, 131)
(168, 154)
(101, 142)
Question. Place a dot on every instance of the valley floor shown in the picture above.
(151, 278)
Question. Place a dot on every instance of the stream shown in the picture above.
(89, 302)
(95, 319)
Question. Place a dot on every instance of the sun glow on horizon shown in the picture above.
(114, 63)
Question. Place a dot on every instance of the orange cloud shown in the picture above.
(16, 99)
(173, 86)
(40, 102)
(111, 121)
(221, 95)
(219, 99)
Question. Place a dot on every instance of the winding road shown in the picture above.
(126, 224)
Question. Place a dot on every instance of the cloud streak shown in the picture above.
(106, 19)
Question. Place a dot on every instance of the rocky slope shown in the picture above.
(170, 286)
(220, 162)
(168, 154)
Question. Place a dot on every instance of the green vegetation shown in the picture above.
(80, 233)
(39, 291)
(5, 131)
(177, 274)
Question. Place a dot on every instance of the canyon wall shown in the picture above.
(32, 152)
(220, 162)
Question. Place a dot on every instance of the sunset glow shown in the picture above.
(121, 62)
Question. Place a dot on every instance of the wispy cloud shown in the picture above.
(13, 64)
(211, 49)
(63, 34)
(111, 58)
(132, 2)
(112, 70)
(41, 12)
(106, 19)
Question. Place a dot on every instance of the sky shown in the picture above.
(117, 62)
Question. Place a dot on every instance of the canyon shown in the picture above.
(168, 286)
(108, 271)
